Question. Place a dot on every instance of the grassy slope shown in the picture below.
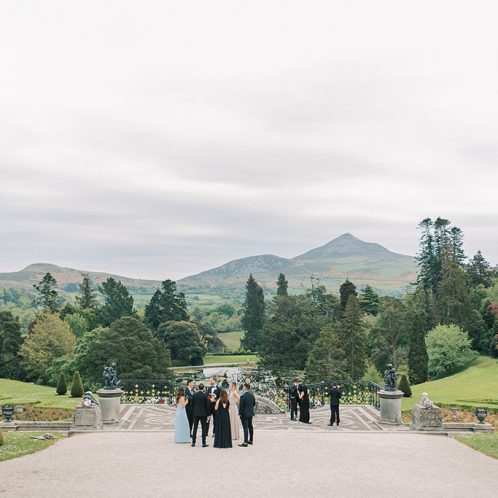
(221, 360)
(232, 339)
(477, 385)
(485, 443)
(13, 391)
(17, 444)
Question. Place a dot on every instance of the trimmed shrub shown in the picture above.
(61, 385)
(1, 438)
(77, 387)
(404, 386)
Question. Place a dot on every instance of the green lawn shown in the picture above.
(221, 360)
(477, 385)
(13, 391)
(16, 444)
(485, 443)
(232, 339)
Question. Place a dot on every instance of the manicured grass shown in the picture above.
(477, 385)
(16, 444)
(221, 360)
(232, 339)
(13, 391)
(485, 443)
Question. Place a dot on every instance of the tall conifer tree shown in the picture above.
(88, 297)
(253, 317)
(282, 285)
(346, 290)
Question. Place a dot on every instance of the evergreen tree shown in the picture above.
(352, 337)
(417, 351)
(404, 386)
(282, 285)
(479, 271)
(61, 385)
(325, 304)
(183, 340)
(172, 304)
(48, 296)
(88, 297)
(153, 310)
(77, 386)
(346, 290)
(253, 315)
(117, 302)
(369, 301)
(10, 343)
(426, 257)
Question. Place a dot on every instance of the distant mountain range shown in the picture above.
(344, 257)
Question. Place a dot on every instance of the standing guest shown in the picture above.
(335, 396)
(223, 434)
(200, 410)
(246, 412)
(234, 411)
(304, 412)
(182, 429)
(189, 394)
(213, 393)
(294, 398)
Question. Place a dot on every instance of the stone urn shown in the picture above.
(481, 414)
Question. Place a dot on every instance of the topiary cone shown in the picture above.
(61, 385)
(77, 386)
(404, 386)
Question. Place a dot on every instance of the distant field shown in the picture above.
(232, 339)
(221, 360)
(477, 385)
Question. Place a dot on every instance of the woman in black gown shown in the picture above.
(223, 434)
(304, 413)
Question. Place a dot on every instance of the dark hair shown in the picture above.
(247, 386)
(201, 387)
(224, 397)
(189, 381)
(180, 394)
(295, 380)
(334, 384)
(215, 379)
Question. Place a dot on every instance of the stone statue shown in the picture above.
(425, 402)
(390, 378)
(89, 400)
(111, 381)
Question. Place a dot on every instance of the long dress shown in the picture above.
(304, 412)
(233, 410)
(223, 435)
(182, 427)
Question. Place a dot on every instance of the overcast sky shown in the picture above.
(161, 138)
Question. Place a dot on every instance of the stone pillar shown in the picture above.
(87, 418)
(426, 418)
(110, 405)
(390, 407)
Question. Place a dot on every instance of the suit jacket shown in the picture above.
(293, 392)
(189, 394)
(335, 396)
(247, 404)
(213, 389)
(200, 404)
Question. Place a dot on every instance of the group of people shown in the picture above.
(220, 406)
(300, 397)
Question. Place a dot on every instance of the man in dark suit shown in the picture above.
(200, 411)
(294, 398)
(213, 393)
(335, 396)
(246, 412)
(189, 394)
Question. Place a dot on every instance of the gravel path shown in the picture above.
(281, 463)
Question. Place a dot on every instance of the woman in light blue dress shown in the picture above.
(182, 427)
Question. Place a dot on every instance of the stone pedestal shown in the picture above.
(110, 404)
(87, 418)
(426, 419)
(390, 407)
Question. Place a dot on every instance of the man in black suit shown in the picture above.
(335, 396)
(213, 393)
(200, 411)
(189, 394)
(294, 398)
(246, 412)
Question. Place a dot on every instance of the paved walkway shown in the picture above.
(281, 463)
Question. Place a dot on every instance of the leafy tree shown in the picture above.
(352, 337)
(61, 385)
(129, 343)
(495, 339)
(210, 339)
(183, 340)
(253, 317)
(346, 290)
(152, 313)
(417, 325)
(48, 296)
(50, 339)
(369, 301)
(77, 386)
(78, 323)
(10, 343)
(282, 285)
(326, 360)
(118, 302)
(87, 298)
(289, 333)
(404, 386)
(166, 305)
(449, 348)
(325, 304)
(479, 271)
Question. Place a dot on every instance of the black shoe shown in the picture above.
(293, 419)
(243, 445)
(330, 425)
(205, 445)
(193, 445)
(250, 442)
